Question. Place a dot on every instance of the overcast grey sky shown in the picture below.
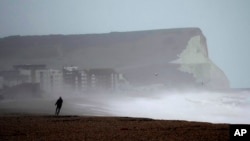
(225, 23)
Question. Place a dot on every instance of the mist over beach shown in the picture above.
(203, 106)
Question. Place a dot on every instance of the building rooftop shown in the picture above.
(29, 66)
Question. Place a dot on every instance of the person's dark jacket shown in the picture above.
(59, 102)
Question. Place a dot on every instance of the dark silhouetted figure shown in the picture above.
(58, 105)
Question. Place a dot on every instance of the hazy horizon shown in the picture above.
(225, 24)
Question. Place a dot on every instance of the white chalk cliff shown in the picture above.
(194, 60)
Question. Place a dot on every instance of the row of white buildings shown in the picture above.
(68, 79)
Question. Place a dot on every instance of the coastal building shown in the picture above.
(105, 79)
(68, 80)
(71, 77)
(83, 81)
(101, 79)
(92, 80)
(29, 70)
(50, 80)
(12, 78)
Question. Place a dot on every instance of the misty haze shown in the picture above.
(124, 70)
(160, 74)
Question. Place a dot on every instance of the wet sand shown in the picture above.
(86, 128)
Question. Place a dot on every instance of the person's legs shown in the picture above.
(57, 111)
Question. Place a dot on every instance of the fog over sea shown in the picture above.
(196, 105)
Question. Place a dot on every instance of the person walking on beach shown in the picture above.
(58, 105)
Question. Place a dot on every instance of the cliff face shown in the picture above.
(173, 57)
(194, 60)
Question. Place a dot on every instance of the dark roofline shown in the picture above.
(30, 66)
(100, 71)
